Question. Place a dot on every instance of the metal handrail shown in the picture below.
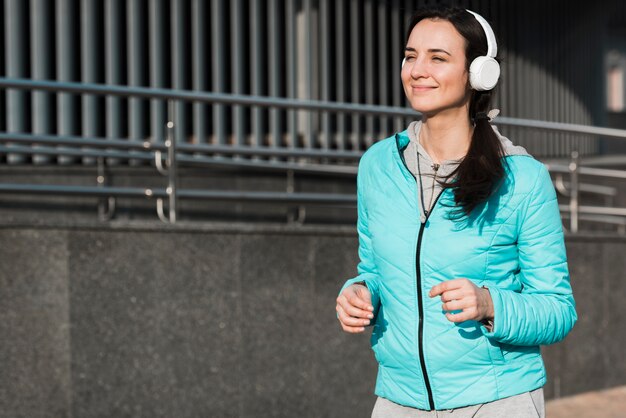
(618, 221)
(197, 194)
(562, 187)
(18, 149)
(578, 212)
(280, 102)
(143, 145)
(595, 210)
(193, 160)
(588, 171)
(146, 150)
(202, 97)
(595, 161)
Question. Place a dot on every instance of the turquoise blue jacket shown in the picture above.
(513, 245)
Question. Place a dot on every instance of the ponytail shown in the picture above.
(481, 170)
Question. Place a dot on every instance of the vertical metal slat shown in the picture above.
(384, 79)
(409, 7)
(561, 98)
(325, 50)
(158, 109)
(539, 110)
(237, 20)
(256, 46)
(292, 120)
(200, 70)
(397, 46)
(41, 61)
(136, 45)
(549, 87)
(113, 68)
(355, 70)
(218, 62)
(179, 67)
(370, 65)
(88, 59)
(275, 71)
(341, 72)
(15, 58)
(571, 46)
(65, 61)
(309, 141)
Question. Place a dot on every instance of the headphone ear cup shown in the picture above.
(484, 73)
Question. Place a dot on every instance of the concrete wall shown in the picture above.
(205, 320)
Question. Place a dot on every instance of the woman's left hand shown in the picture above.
(462, 294)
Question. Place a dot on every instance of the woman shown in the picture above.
(462, 266)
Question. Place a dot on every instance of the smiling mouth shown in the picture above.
(423, 87)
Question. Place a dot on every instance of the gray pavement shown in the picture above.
(609, 403)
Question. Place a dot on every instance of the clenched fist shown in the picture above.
(354, 308)
(463, 295)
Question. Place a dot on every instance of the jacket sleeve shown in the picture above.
(366, 269)
(544, 311)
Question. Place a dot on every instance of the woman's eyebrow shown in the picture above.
(432, 50)
(439, 50)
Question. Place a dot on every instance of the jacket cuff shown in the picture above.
(498, 312)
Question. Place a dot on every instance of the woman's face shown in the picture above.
(434, 75)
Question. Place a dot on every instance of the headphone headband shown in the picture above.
(484, 71)
(492, 46)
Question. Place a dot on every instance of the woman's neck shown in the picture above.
(446, 137)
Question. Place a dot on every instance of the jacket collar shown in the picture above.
(402, 140)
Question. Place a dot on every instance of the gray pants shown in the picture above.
(525, 405)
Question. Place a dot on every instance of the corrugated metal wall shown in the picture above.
(552, 70)
(616, 55)
(340, 50)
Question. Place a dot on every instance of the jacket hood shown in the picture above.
(508, 146)
(421, 165)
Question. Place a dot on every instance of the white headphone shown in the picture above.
(485, 70)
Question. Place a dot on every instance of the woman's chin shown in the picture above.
(424, 108)
(425, 112)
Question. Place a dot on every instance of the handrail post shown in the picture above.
(106, 205)
(573, 201)
(291, 217)
(100, 179)
(298, 213)
(172, 164)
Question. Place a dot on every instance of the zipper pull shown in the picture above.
(436, 167)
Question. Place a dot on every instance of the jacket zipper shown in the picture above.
(420, 307)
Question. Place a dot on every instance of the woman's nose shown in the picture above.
(417, 69)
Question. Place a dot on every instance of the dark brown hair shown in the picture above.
(482, 169)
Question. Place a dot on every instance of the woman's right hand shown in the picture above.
(354, 308)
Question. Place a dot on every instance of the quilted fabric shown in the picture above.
(513, 245)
